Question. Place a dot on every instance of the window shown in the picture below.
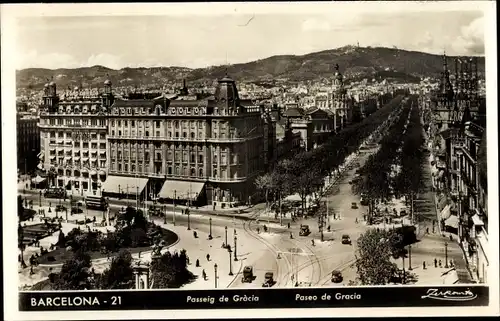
(193, 158)
(133, 123)
(157, 123)
(215, 172)
(200, 158)
(192, 135)
(147, 133)
(94, 145)
(112, 133)
(215, 158)
(119, 133)
(176, 134)
(200, 172)
(176, 124)
(169, 134)
(132, 167)
(177, 172)
(102, 136)
(157, 133)
(126, 167)
(146, 156)
(158, 156)
(169, 170)
(125, 123)
(119, 167)
(193, 172)
(119, 123)
(184, 134)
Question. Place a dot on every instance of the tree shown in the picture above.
(264, 183)
(170, 271)
(75, 273)
(373, 264)
(120, 274)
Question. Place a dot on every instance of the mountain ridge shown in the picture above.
(355, 63)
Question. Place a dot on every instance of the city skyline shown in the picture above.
(286, 34)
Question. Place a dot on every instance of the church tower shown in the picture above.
(339, 102)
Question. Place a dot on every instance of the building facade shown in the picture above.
(73, 140)
(206, 150)
(457, 131)
(28, 142)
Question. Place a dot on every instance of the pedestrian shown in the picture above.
(312, 242)
(440, 263)
(427, 231)
(204, 274)
(288, 225)
(291, 235)
(423, 264)
(356, 220)
(435, 262)
(328, 228)
(451, 263)
(451, 237)
(208, 257)
(258, 230)
(197, 262)
(223, 245)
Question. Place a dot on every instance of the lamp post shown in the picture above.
(409, 258)
(446, 255)
(215, 272)
(40, 198)
(225, 228)
(230, 261)
(189, 221)
(235, 252)
(210, 222)
(175, 196)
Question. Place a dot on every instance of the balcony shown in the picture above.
(228, 179)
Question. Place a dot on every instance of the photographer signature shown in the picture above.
(449, 295)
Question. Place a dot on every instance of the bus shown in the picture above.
(96, 202)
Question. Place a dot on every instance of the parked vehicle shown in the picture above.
(346, 239)
(268, 280)
(304, 230)
(76, 210)
(337, 276)
(247, 274)
(55, 192)
(60, 208)
(354, 206)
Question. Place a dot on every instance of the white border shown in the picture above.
(11, 12)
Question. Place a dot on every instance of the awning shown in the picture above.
(93, 172)
(67, 157)
(452, 221)
(52, 157)
(102, 152)
(84, 170)
(119, 184)
(77, 158)
(85, 159)
(181, 189)
(446, 212)
(477, 220)
(102, 173)
(38, 179)
(292, 198)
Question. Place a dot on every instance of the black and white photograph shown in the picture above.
(230, 156)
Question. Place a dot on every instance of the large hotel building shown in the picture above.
(207, 150)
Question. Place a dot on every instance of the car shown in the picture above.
(337, 276)
(354, 205)
(346, 239)
(304, 230)
(76, 210)
(247, 274)
(268, 280)
(60, 208)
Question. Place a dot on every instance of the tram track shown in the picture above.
(247, 227)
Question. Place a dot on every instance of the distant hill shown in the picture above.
(355, 62)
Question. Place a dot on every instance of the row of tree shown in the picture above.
(305, 172)
(377, 182)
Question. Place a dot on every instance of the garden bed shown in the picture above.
(60, 255)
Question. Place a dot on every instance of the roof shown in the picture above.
(294, 112)
(188, 103)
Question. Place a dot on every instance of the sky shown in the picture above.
(200, 40)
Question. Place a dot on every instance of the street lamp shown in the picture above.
(230, 261)
(40, 198)
(409, 258)
(225, 228)
(215, 272)
(189, 221)
(235, 252)
(210, 222)
(446, 255)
